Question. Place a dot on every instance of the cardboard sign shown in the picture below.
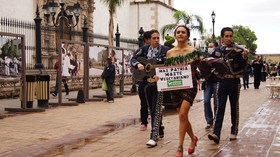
(174, 77)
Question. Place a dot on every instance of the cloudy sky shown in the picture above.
(261, 16)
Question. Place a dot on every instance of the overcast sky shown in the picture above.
(261, 16)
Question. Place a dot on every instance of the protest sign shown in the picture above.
(174, 77)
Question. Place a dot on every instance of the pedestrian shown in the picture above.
(229, 85)
(109, 74)
(246, 74)
(15, 63)
(64, 80)
(257, 66)
(7, 65)
(264, 73)
(210, 88)
(184, 98)
(144, 113)
(278, 69)
(66, 66)
(158, 52)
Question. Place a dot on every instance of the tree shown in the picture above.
(245, 36)
(112, 6)
(194, 22)
(9, 49)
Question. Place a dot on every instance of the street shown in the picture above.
(98, 128)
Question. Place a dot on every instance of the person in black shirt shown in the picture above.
(109, 74)
(257, 66)
(157, 52)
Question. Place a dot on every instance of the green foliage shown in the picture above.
(169, 41)
(183, 58)
(245, 36)
(194, 22)
(9, 49)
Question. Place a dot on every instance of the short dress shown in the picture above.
(177, 96)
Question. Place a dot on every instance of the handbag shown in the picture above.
(104, 85)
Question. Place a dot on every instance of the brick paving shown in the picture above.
(102, 129)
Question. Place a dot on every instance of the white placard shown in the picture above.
(174, 77)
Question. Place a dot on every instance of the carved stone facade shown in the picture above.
(51, 35)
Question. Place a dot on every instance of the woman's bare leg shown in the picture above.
(185, 125)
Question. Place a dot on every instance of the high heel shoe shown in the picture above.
(191, 150)
(180, 150)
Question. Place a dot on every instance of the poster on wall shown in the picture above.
(72, 56)
(97, 60)
(10, 57)
(99, 53)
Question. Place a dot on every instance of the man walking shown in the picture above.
(229, 85)
(157, 52)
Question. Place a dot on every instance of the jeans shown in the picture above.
(64, 81)
(246, 81)
(227, 88)
(209, 90)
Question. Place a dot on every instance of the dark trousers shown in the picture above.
(143, 102)
(110, 91)
(257, 80)
(227, 88)
(246, 81)
(154, 104)
(64, 81)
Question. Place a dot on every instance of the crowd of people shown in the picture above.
(151, 99)
(11, 65)
(219, 86)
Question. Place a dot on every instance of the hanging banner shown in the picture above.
(174, 77)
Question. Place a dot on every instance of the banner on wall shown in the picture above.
(72, 55)
(10, 56)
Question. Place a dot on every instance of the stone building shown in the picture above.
(132, 15)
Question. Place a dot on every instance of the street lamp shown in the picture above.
(68, 17)
(65, 17)
(194, 42)
(213, 15)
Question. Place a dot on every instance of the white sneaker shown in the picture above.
(151, 143)
(54, 95)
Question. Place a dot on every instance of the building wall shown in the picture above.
(131, 16)
(269, 58)
(18, 9)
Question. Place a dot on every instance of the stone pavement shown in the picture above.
(104, 129)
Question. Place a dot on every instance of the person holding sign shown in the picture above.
(184, 54)
(156, 53)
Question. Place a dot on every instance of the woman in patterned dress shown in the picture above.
(184, 54)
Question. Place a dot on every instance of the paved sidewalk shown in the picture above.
(105, 129)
